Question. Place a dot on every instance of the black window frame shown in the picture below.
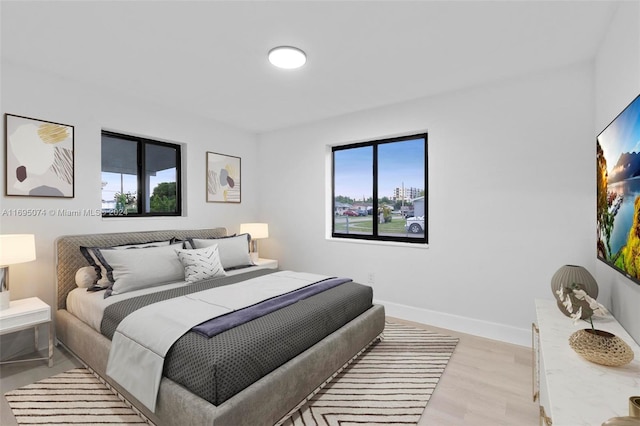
(142, 143)
(374, 176)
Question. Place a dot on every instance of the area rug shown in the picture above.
(390, 383)
(75, 397)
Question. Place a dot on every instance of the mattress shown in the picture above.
(89, 306)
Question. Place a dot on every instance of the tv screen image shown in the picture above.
(618, 192)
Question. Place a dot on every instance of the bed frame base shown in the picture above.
(264, 403)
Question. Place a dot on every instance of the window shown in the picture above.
(379, 190)
(140, 177)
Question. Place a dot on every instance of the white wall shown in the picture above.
(511, 193)
(617, 82)
(511, 187)
(90, 109)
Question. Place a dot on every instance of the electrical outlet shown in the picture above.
(371, 277)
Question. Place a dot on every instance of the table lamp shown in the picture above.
(257, 231)
(14, 248)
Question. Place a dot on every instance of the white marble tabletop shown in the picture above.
(581, 392)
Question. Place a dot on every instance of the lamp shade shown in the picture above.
(17, 248)
(256, 230)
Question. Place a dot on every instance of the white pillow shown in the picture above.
(86, 276)
(101, 273)
(201, 264)
(234, 251)
(138, 268)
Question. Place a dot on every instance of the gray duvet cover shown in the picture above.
(217, 368)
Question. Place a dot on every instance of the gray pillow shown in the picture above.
(101, 279)
(234, 251)
(139, 268)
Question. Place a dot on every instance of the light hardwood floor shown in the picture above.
(486, 383)
(13, 376)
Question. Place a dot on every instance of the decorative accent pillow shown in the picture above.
(234, 251)
(138, 268)
(86, 276)
(201, 264)
(101, 273)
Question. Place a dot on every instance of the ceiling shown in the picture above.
(209, 58)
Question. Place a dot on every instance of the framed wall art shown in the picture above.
(39, 157)
(223, 178)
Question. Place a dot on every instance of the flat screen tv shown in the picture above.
(618, 192)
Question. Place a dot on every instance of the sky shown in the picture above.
(399, 162)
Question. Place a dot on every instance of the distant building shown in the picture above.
(341, 207)
(406, 194)
(418, 206)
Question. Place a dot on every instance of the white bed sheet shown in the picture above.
(89, 306)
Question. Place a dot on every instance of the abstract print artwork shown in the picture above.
(39, 157)
(223, 178)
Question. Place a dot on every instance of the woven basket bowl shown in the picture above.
(601, 347)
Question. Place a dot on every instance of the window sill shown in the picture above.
(127, 217)
(377, 243)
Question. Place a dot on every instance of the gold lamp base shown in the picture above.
(634, 406)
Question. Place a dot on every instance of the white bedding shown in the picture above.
(90, 306)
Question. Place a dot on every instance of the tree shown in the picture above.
(344, 199)
(126, 202)
(386, 201)
(604, 218)
(386, 213)
(164, 198)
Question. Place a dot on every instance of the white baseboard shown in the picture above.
(486, 329)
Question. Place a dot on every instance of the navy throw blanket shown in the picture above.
(233, 319)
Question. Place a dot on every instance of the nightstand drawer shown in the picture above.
(24, 313)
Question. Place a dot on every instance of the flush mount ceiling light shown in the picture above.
(287, 57)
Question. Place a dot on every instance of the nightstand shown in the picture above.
(267, 263)
(27, 313)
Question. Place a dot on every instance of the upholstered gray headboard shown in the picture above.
(69, 258)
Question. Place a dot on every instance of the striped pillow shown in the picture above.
(201, 264)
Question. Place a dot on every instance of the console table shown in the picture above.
(573, 391)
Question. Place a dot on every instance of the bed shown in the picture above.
(265, 401)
